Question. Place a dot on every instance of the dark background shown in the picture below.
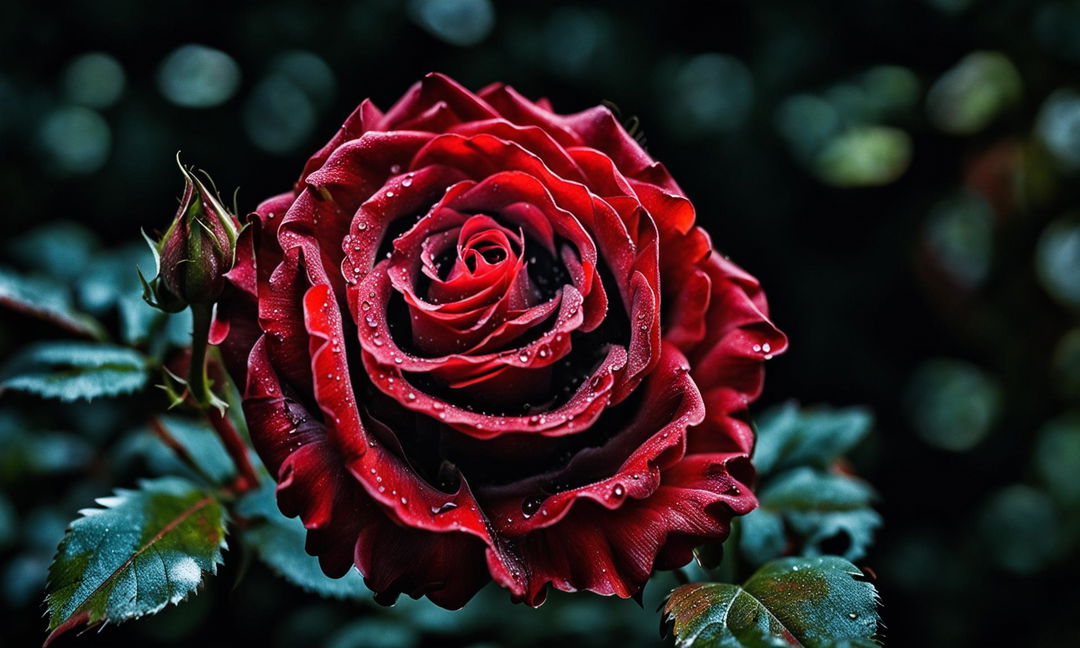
(901, 175)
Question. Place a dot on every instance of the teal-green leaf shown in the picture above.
(761, 535)
(46, 300)
(792, 602)
(59, 249)
(788, 436)
(819, 506)
(279, 541)
(70, 371)
(141, 551)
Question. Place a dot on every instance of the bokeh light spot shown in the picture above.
(864, 156)
(806, 122)
(74, 140)
(1057, 261)
(196, 76)
(952, 404)
(458, 22)
(1021, 529)
(308, 72)
(973, 93)
(1058, 127)
(710, 92)
(959, 233)
(95, 80)
(1057, 457)
(278, 116)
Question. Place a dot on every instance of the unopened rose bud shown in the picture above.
(195, 252)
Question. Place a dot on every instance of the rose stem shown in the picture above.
(198, 382)
(237, 449)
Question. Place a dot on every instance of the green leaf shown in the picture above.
(69, 371)
(32, 451)
(788, 436)
(820, 506)
(143, 550)
(111, 277)
(60, 249)
(279, 541)
(800, 602)
(761, 535)
(46, 300)
(137, 318)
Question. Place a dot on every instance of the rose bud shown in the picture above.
(195, 252)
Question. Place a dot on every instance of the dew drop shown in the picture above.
(618, 491)
(531, 505)
(395, 168)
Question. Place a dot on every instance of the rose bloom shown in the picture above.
(480, 340)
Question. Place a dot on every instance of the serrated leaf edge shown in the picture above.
(81, 616)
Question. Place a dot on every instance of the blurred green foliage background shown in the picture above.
(901, 174)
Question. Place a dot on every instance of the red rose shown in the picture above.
(482, 340)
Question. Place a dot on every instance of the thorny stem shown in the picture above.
(246, 478)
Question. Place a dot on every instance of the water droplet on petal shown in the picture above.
(531, 505)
